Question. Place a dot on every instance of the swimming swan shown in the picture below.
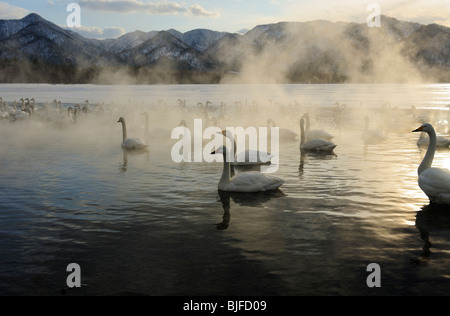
(441, 142)
(247, 157)
(251, 181)
(285, 134)
(130, 143)
(434, 182)
(370, 136)
(318, 145)
(315, 133)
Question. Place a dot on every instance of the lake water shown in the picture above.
(141, 224)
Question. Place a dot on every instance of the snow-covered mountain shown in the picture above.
(167, 46)
(201, 39)
(316, 51)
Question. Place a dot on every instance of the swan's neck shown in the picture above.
(146, 124)
(226, 173)
(308, 123)
(233, 141)
(429, 156)
(302, 133)
(124, 130)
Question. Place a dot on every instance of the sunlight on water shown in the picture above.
(143, 224)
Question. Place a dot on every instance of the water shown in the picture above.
(143, 225)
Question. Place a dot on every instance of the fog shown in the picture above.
(339, 109)
(325, 52)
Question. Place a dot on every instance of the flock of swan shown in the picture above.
(435, 182)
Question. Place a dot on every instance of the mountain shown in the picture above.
(322, 51)
(35, 38)
(127, 41)
(167, 46)
(201, 39)
(35, 50)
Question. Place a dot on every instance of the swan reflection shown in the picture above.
(126, 152)
(304, 157)
(243, 199)
(432, 219)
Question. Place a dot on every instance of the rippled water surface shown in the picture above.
(143, 224)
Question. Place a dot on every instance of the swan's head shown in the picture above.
(427, 128)
(220, 150)
(226, 134)
(121, 120)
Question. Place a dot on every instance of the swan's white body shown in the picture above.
(251, 181)
(314, 145)
(424, 141)
(315, 133)
(285, 134)
(130, 143)
(248, 157)
(434, 182)
(372, 137)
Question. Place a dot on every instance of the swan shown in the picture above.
(424, 141)
(247, 157)
(434, 182)
(250, 181)
(284, 133)
(316, 133)
(372, 137)
(130, 143)
(314, 145)
(158, 133)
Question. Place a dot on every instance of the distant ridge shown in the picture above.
(33, 49)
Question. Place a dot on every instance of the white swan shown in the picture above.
(372, 137)
(434, 182)
(441, 142)
(284, 133)
(247, 157)
(130, 143)
(315, 133)
(314, 145)
(251, 181)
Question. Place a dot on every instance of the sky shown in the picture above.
(112, 18)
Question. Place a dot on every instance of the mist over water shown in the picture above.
(142, 224)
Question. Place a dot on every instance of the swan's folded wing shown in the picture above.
(318, 144)
(318, 134)
(435, 181)
(133, 143)
(254, 182)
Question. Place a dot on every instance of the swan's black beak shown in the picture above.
(420, 129)
(213, 153)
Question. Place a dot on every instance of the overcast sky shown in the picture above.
(112, 18)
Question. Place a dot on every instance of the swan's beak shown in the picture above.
(420, 129)
(213, 153)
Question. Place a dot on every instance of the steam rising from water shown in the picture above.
(322, 51)
(222, 106)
